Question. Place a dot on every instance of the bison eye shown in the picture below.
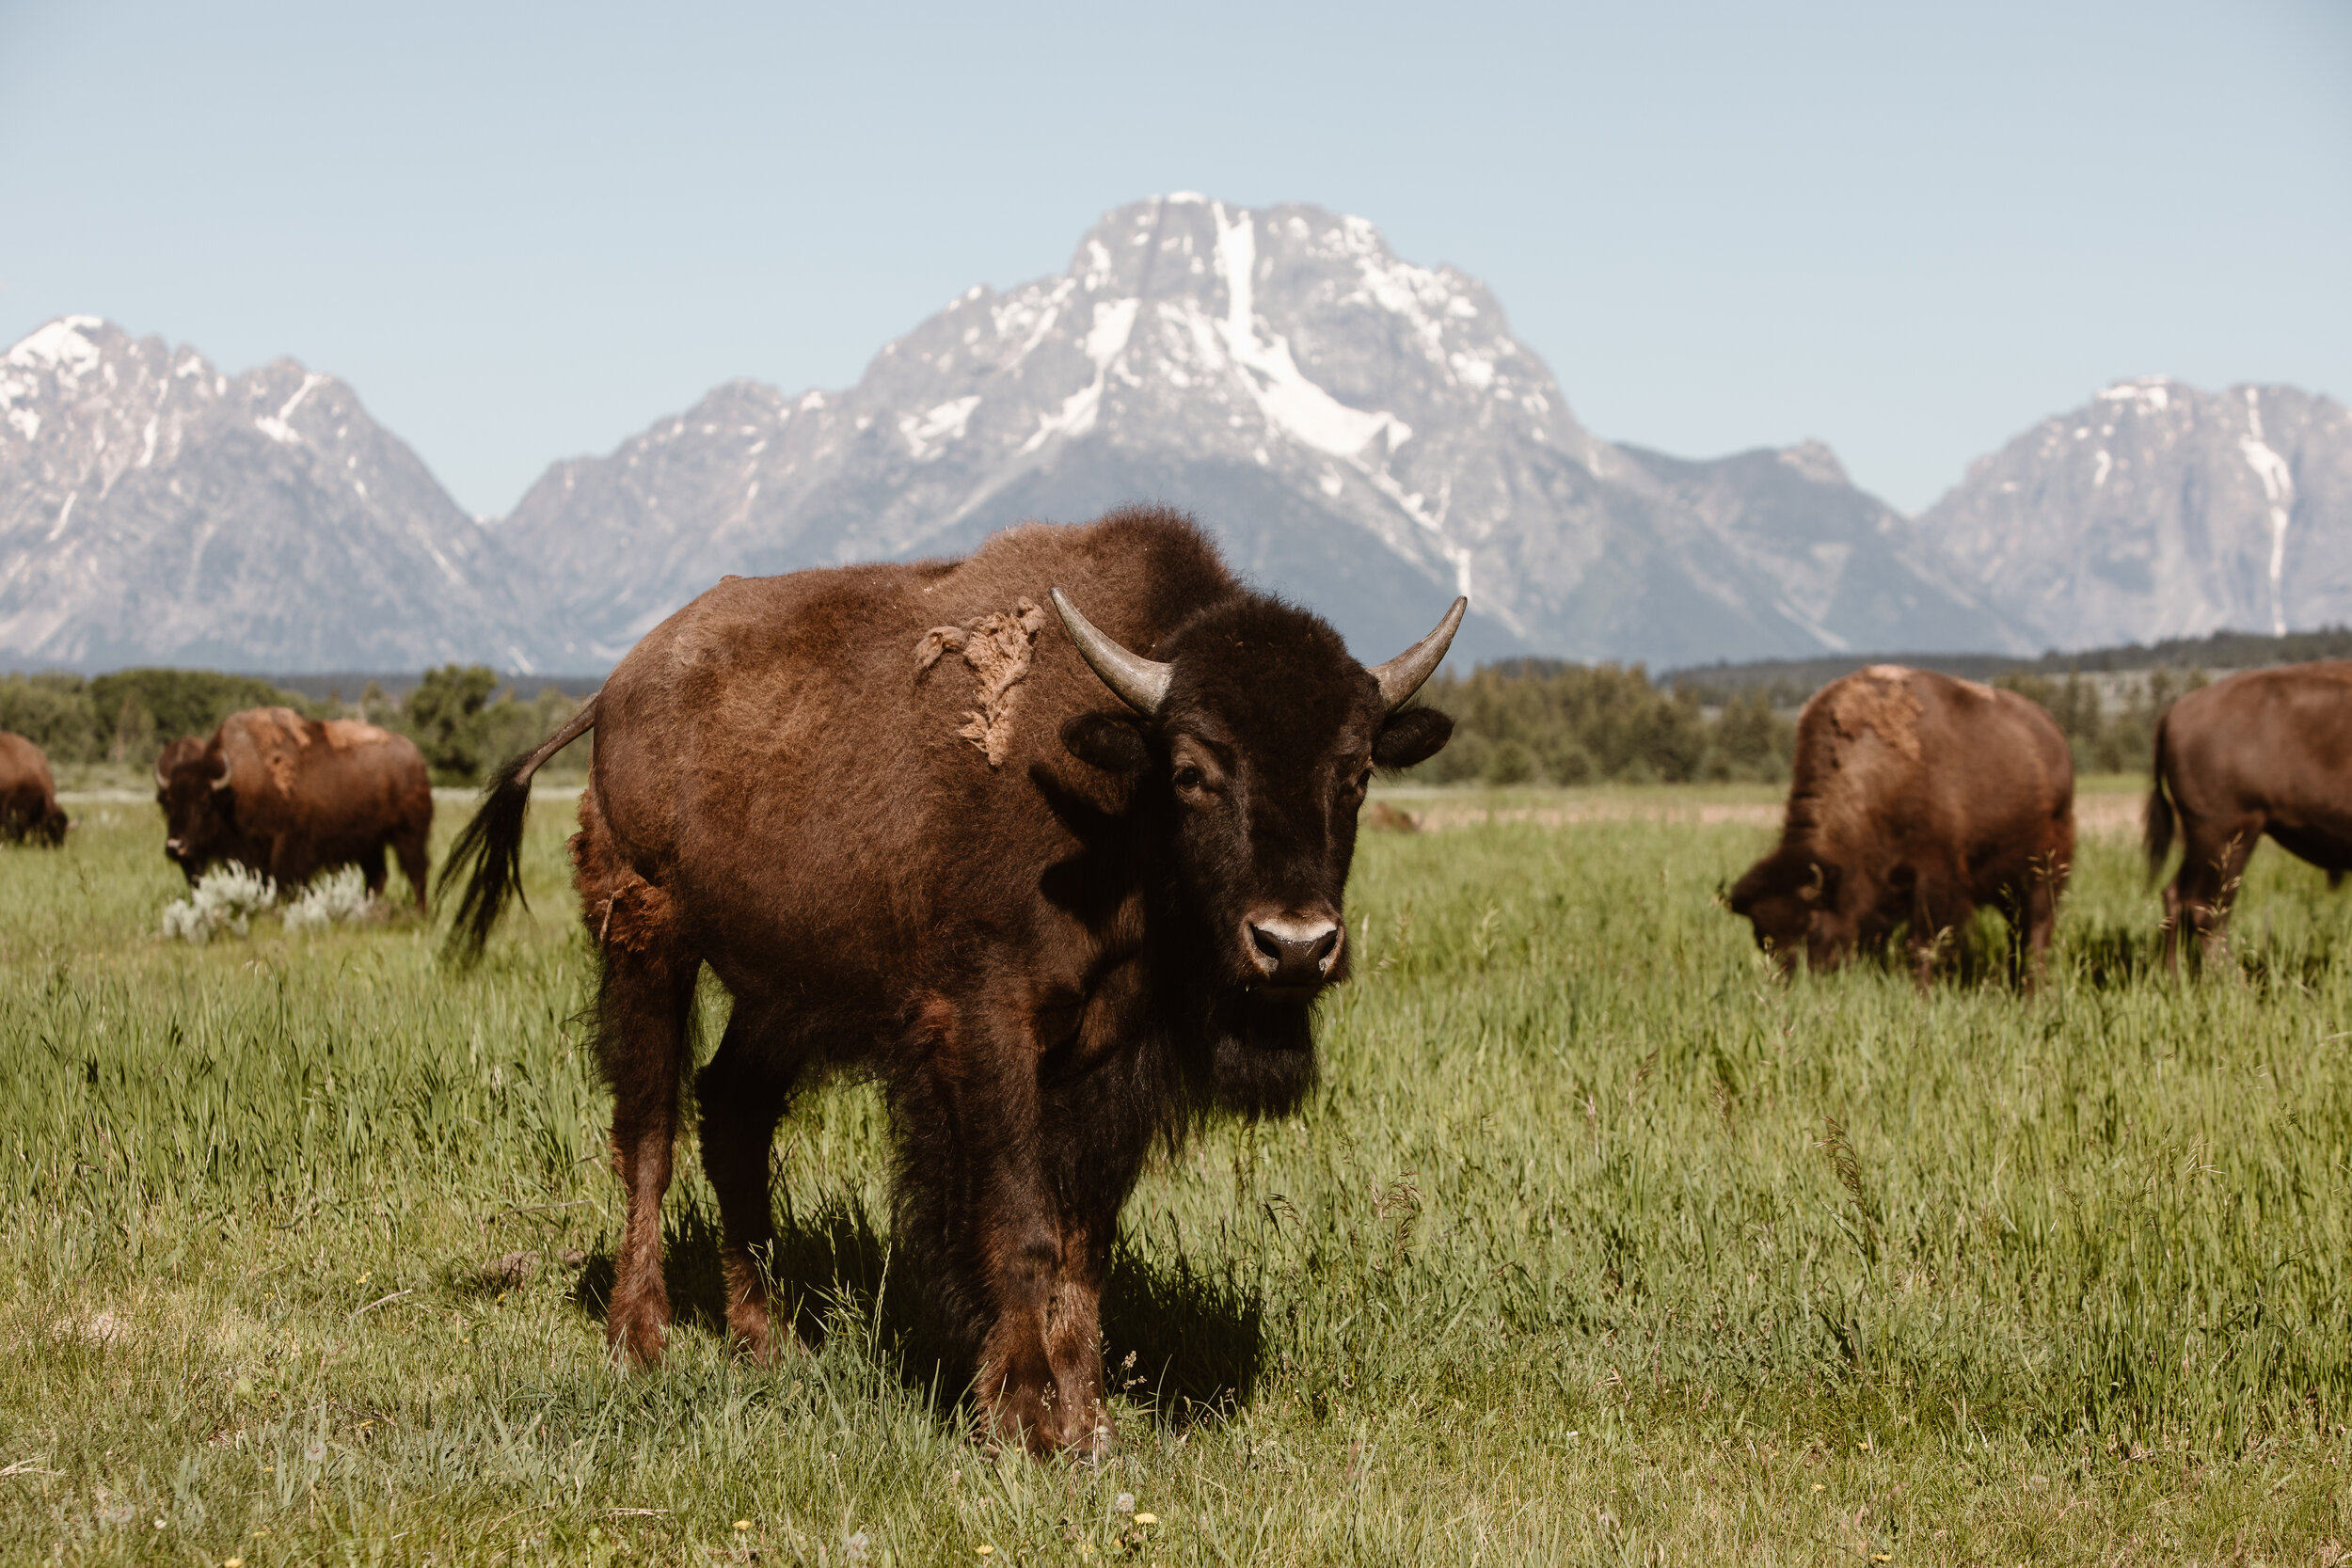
(1189, 778)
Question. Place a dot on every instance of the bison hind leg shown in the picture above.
(741, 1096)
(640, 1030)
(408, 847)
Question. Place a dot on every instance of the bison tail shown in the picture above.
(492, 843)
(2156, 829)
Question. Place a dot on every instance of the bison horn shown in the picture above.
(1811, 892)
(1140, 683)
(1404, 674)
(220, 780)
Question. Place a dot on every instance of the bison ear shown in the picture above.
(1411, 735)
(1105, 741)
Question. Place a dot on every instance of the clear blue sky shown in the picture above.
(524, 231)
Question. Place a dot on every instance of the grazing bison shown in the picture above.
(2264, 752)
(28, 796)
(292, 797)
(1917, 799)
(1064, 880)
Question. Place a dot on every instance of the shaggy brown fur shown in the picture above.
(29, 795)
(292, 797)
(1917, 799)
(2268, 751)
(1054, 930)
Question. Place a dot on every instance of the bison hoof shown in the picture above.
(635, 1335)
(1049, 1430)
(756, 1337)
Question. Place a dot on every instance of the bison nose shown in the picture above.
(1294, 951)
(172, 847)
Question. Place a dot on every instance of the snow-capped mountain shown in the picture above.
(1363, 434)
(153, 510)
(2157, 510)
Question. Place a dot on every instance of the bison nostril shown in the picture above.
(1294, 952)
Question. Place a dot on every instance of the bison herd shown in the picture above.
(1117, 794)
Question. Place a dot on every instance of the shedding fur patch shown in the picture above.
(1881, 700)
(265, 742)
(620, 909)
(344, 734)
(998, 648)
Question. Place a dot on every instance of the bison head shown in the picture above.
(1790, 897)
(1258, 734)
(200, 807)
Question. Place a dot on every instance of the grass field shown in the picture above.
(1597, 1245)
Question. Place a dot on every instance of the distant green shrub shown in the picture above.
(2120, 741)
(444, 716)
(1527, 720)
(53, 711)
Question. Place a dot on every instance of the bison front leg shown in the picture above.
(1041, 1379)
(1939, 917)
(2213, 859)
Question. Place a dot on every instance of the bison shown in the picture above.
(1064, 880)
(2262, 751)
(292, 797)
(1917, 799)
(29, 795)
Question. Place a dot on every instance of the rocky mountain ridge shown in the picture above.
(2159, 510)
(1364, 434)
(156, 510)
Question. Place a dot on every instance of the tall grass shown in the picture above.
(1595, 1242)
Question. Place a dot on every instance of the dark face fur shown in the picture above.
(1791, 901)
(197, 818)
(1262, 751)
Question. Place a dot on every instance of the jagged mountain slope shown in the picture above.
(2159, 510)
(154, 510)
(1364, 435)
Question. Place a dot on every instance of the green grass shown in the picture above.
(1598, 1245)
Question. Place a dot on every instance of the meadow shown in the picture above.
(1599, 1243)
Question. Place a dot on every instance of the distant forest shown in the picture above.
(1547, 720)
(457, 715)
(1526, 720)
(1790, 682)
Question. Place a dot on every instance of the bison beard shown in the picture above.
(1056, 928)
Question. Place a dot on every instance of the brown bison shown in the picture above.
(1064, 882)
(292, 797)
(29, 795)
(1917, 799)
(2264, 752)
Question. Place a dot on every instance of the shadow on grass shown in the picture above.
(2111, 955)
(1181, 1344)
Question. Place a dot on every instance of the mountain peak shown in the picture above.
(1814, 459)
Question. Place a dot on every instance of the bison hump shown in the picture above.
(1878, 701)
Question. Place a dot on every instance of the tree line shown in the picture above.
(1544, 721)
(1521, 721)
(457, 715)
(1536, 720)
